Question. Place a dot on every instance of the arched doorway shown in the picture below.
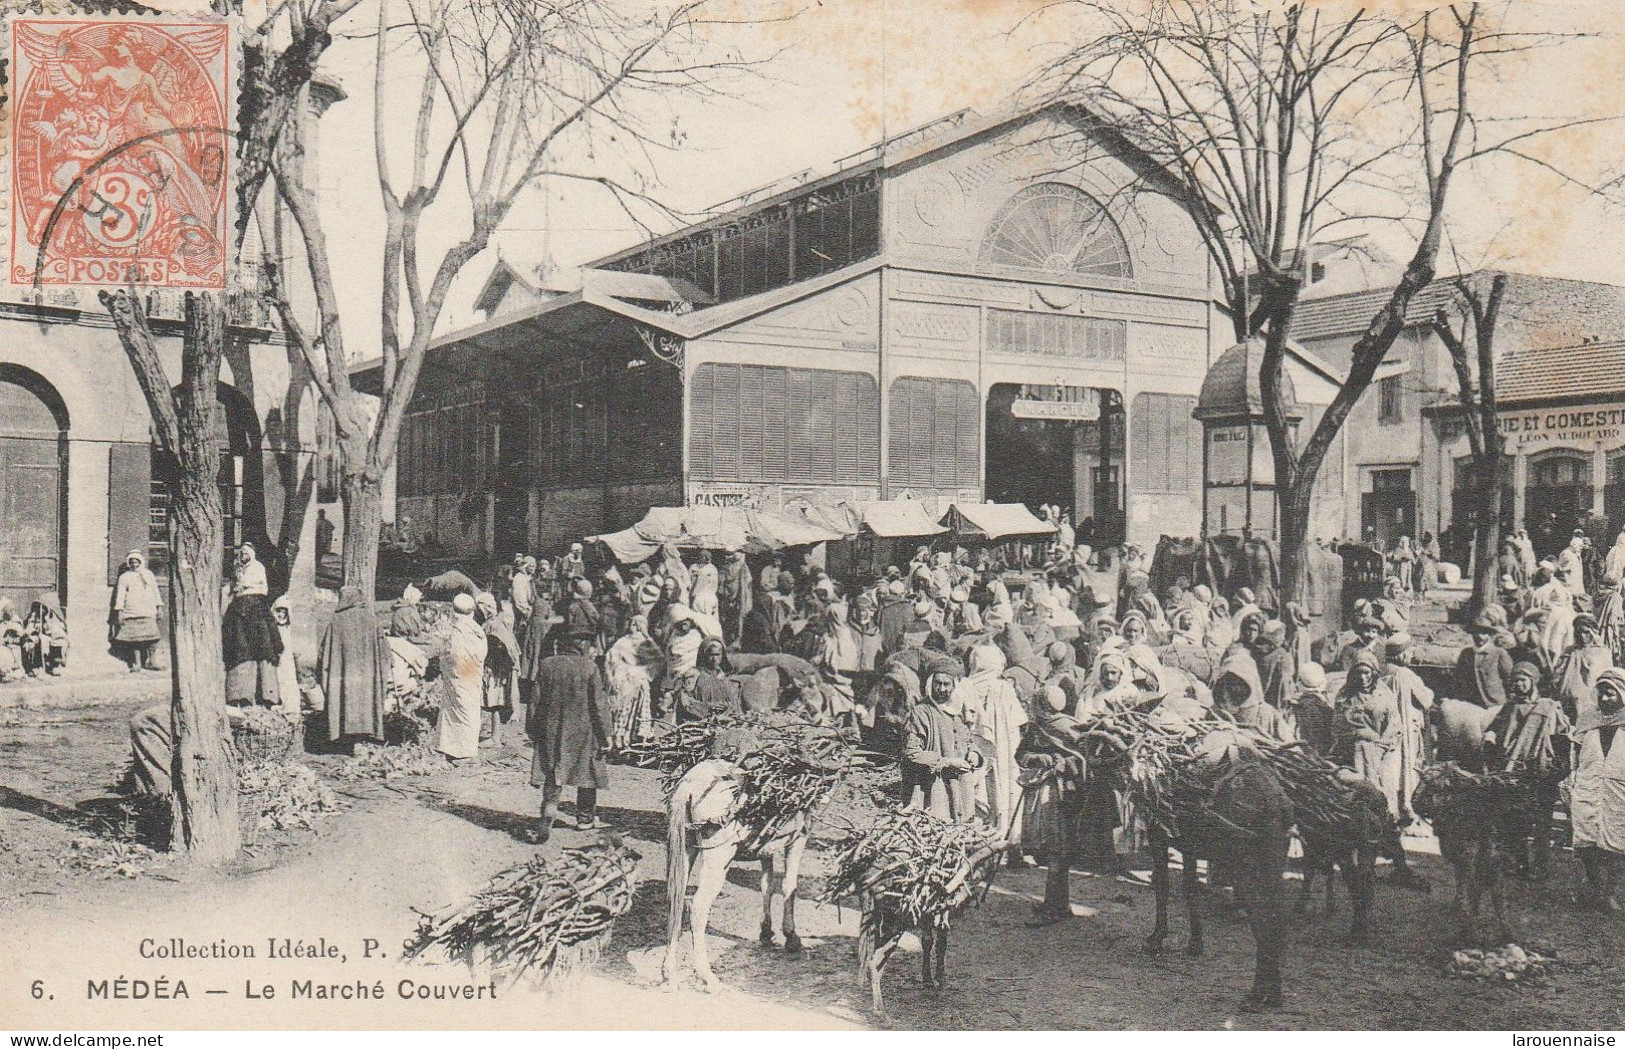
(33, 487)
(1558, 498)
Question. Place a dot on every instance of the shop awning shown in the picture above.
(883, 519)
(712, 528)
(899, 519)
(993, 521)
(836, 517)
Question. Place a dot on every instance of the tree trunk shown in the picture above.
(1294, 537)
(363, 516)
(203, 767)
(1486, 534)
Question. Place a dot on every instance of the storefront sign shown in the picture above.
(1071, 411)
(1582, 425)
(1080, 404)
(717, 498)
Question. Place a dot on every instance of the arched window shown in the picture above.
(1059, 229)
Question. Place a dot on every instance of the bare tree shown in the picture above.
(505, 89)
(203, 773)
(204, 821)
(1279, 122)
(1468, 333)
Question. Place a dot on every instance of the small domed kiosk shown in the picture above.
(1238, 471)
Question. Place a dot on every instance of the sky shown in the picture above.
(847, 72)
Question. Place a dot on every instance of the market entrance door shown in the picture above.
(1059, 446)
(1558, 499)
(33, 454)
(1388, 511)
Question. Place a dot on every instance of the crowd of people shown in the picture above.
(966, 671)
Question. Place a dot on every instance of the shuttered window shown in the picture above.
(808, 426)
(1165, 444)
(936, 433)
(444, 443)
(1056, 335)
(130, 499)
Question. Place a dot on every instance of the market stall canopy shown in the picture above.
(883, 519)
(837, 517)
(712, 528)
(993, 521)
(899, 519)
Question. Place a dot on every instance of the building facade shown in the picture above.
(1007, 309)
(78, 483)
(1560, 375)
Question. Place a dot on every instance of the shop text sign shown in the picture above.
(1582, 425)
(1071, 411)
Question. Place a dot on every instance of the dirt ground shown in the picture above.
(428, 843)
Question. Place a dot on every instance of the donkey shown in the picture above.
(1355, 852)
(702, 823)
(881, 929)
(1245, 827)
(1470, 836)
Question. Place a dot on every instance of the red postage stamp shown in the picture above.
(121, 153)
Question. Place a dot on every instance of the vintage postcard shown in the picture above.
(729, 515)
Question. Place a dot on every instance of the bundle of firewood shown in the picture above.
(914, 865)
(542, 919)
(282, 795)
(1168, 767)
(1456, 797)
(787, 766)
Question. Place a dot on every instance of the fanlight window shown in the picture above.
(1059, 229)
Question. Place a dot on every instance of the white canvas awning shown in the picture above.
(993, 521)
(712, 528)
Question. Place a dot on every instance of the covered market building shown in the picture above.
(1010, 310)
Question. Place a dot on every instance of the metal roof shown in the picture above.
(1233, 387)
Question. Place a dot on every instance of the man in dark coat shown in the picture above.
(569, 722)
(895, 614)
(353, 668)
(756, 636)
(1484, 669)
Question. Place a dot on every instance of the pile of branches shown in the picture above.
(413, 719)
(916, 866)
(372, 761)
(542, 918)
(787, 766)
(1169, 767)
(408, 748)
(109, 858)
(1324, 803)
(675, 749)
(1457, 800)
(283, 795)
